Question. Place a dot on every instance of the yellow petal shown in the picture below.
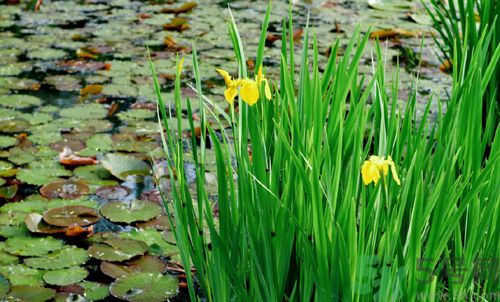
(393, 171)
(227, 78)
(249, 91)
(370, 172)
(259, 75)
(267, 90)
(230, 93)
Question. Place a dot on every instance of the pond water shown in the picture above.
(80, 214)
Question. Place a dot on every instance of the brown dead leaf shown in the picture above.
(186, 7)
(177, 24)
(446, 66)
(91, 89)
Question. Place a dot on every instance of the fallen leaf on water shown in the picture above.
(446, 66)
(112, 110)
(186, 7)
(91, 89)
(67, 158)
(76, 231)
(85, 53)
(392, 33)
(177, 23)
(297, 34)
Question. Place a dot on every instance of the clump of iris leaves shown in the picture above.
(295, 221)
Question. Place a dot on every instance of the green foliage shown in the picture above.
(296, 222)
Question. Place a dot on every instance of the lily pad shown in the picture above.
(84, 112)
(13, 125)
(64, 258)
(46, 54)
(67, 189)
(29, 246)
(65, 276)
(7, 169)
(123, 165)
(154, 239)
(71, 216)
(7, 141)
(4, 286)
(8, 192)
(19, 101)
(145, 287)
(35, 223)
(137, 210)
(28, 293)
(145, 264)
(20, 274)
(117, 249)
(94, 291)
(112, 192)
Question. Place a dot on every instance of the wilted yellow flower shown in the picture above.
(260, 78)
(376, 167)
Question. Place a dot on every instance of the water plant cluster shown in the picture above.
(331, 190)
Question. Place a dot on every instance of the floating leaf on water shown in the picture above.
(186, 7)
(100, 142)
(117, 249)
(13, 125)
(94, 291)
(94, 172)
(38, 118)
(7, 141)
(8, 192)
(66, 189)
(19, 83)
(84, 112)
(385, 5)
(136, 114)
(19, 101)
(177, 24)
(6, 258)
(73, 145)
(145, 264)
(44, 138)
(34, 222)
(71, 216)
(29, 246)
(67, 257)
(160, 222)
(123, 165)
(154, 239)
(34, 177)
(137, 210)
(9, 231)
(24, 206)
(7, 169)
(46, 54)
(63, 82)
(145, 287)
(91, 89)
(112, 192)
(27, 293)
(12, 217)
(20, 274)
(65, 276)
(4, 286)
(83, 201)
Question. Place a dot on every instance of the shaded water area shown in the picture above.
(80, 214)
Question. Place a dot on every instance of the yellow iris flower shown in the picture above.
(260, 78)
(249, 89)
(376, 167)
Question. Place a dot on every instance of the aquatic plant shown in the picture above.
(293, 220)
